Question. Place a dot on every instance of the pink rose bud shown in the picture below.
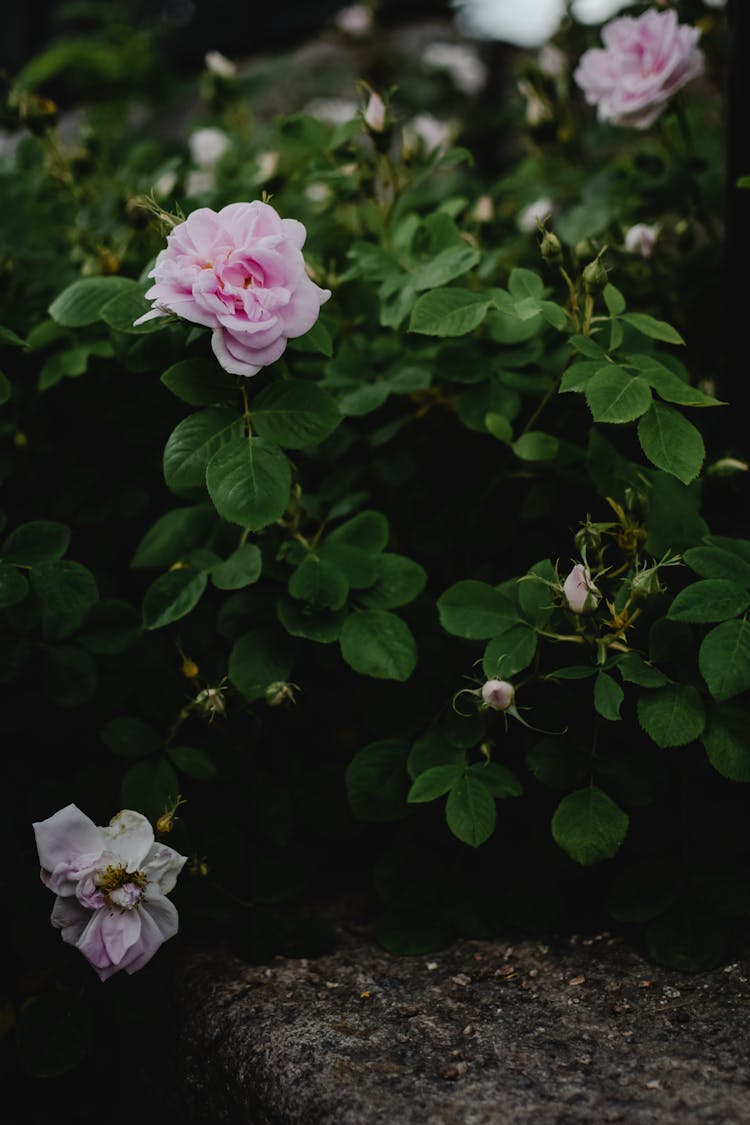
(552, 62)
(220, 65)
(498, 694)
(645, 60)
(375, 113)
(240, 272)
(356, 20)
(580, 592)
(640, 239)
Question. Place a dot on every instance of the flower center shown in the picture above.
(121, 887)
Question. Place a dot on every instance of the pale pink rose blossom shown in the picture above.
(644, 62)
(553, 62)
(207, 146)
(240, 272)
(111, 885)
(220, 65)
(530, 217)
(640, 239)
(498, 694)
(579, 591)
(375, 113)
(355, 20)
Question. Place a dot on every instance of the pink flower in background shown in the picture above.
(640, 239)
(239, 271)
(110, 885)
(645, 60)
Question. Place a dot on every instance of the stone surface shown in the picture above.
(482, 1033)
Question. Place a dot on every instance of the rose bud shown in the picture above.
(498, 694)
(580, 592)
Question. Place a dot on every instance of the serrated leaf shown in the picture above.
(172, 596)
(712, 561)
(510, 652)
(129, 737)
(709, 601)
(635, 670)
(432, 749)
(377, 782)
(589, 826)
(535, 445)
(497, 779)
(727, 741)
(470, 811)
(475, 610)
(249, 481)
(319, 583)
(81, 303)
(613, 299)
(608, 697)
(200, 382)
(259, 658)
(322, 625)
(242, 568)
(173, 536)
(295, 414)
(36, 542)
(434, 783)
(377, 643)
(367, 530)
(317, 339)
(448, 312)
(654, 329)
(724, 659)
(13, 586)
(400, 581)
(150, 786)
(129, 305)
(671, 442)
(192, 444)
(672, 715)
(447, 265)
(193, 761)
(615, 396)
(66, 591)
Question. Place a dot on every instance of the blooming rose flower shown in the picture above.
(645, 60)
(239, 271)
(580, 592)
(498, 694)
(110, 885)
(640, 239)
(207, 146)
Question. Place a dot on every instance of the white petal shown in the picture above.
(162, 866)
(68, 833)
(129, 837)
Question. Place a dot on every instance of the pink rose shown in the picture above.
(498, 694)
(239, 271)
(640, 239)
(580, 592)
(645, 61)
(110, 885)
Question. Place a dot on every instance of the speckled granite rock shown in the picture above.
(480, 1034)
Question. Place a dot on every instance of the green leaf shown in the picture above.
(672, 715)
(319, 583)
(671, 442)
(200, 382)
(470, 811)
(81, 303)
(36, 542)
(367, 530)
(579, 374)
(249, 481)
(13, 586)
(499, 426)
(377, 782)
(635, 670)
(260, 658)
(727, 741)
(475, 610)
(192, 444)
(525, 283)
(713, 599)
(430, 750)
(434, 782)
(534, 596)
(669, 386)
(172, 596)
(129, 737)
(615, 396)
(376, 643)
(724, 659)
(323, 626)
(150, 787)
(614, 300)
(361, 567)
(242, 568)
(608, 697)
(295, 414)
(497, 779)
(448, 312)
(444, 267)
(317, 339)
(589, 826)
(9, 338)
(535, 445)
(6, 389)
(127, 306)
(111, 627)
(399, 582)
(173, 536)
(654, 329)
(66, 591)
(193, 761)
(510, 652)
(713, 561)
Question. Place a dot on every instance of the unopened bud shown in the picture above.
(588, 538)
(594, 275)
(498, 695)
(579, 591)
(550, 248)
(646, 584)
(280, 692)
(375, 113)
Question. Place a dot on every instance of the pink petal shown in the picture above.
(66, 834)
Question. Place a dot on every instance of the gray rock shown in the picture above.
(482, 1033)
